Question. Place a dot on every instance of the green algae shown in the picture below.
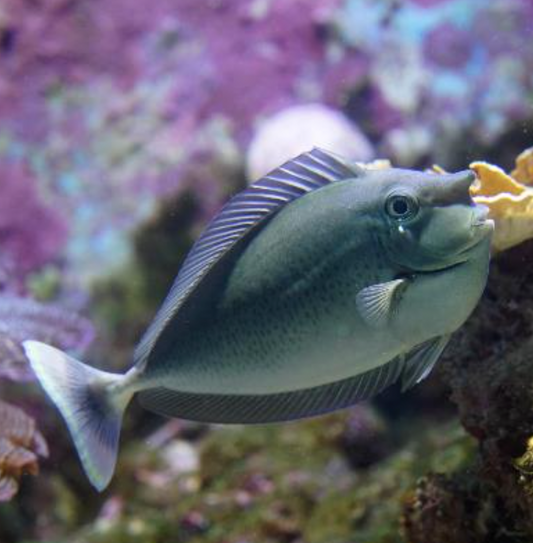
(279, 483)
(372, 508)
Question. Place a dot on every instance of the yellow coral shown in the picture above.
(509, 199)
(524, 167)
(524, 463)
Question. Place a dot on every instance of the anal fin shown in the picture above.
(420, 361)
(263, 408)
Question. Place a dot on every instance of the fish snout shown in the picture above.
(458, 187)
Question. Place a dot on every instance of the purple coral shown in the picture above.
(24, 318)
(283, 43)
(31, 233)
(110, 133)
(427, 3)
(449, 46)
(45, 45)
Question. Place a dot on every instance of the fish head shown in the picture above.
(430, 220)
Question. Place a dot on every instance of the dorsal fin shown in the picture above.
(238, 218)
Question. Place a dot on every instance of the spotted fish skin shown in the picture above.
(277, 320)
(283, 323)
(318, 286)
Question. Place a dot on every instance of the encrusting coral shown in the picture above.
(488, 370)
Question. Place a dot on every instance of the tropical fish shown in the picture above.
(316, 287)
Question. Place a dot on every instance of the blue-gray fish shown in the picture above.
(318, 286)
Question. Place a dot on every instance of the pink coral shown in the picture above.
(24, 318)
(284, 45)
(31, 233)
(449, 46)
(67, 42)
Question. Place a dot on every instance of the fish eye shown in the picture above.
(401, 207)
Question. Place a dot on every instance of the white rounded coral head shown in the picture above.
(300, 128)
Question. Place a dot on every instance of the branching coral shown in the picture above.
(21, 444)
(24, 318)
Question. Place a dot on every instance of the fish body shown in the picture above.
(271, 325)
(319, 286)
(282, 324)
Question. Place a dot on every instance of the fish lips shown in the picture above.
(480, 217)
(481, 228)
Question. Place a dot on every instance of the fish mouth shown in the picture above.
(444, 269)
(436, 271)
(483, 230)
(480, 232)
(464, 255)
(480, 217)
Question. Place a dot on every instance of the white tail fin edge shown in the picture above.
(89, 403)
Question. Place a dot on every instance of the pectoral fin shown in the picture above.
(420, 361)
(377, 303)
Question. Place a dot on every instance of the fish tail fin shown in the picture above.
(90, 402)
